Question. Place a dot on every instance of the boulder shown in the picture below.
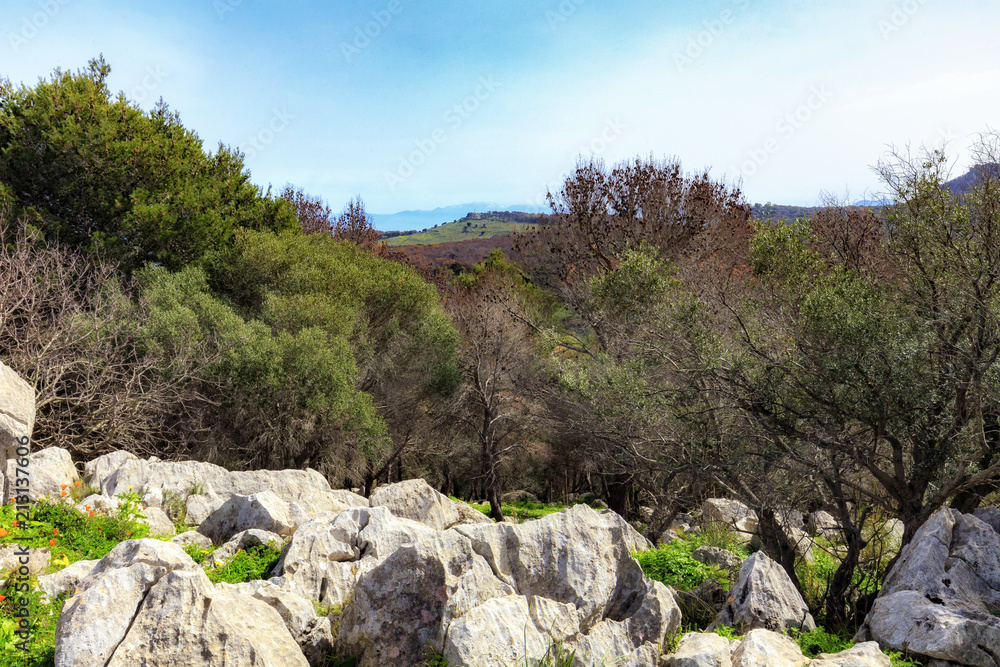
(112, 593)
(192, 537)
(720, 558)
(414, 499)
(990, 516)
(498, 633)
(942, 597)
(764, 597)
(866, 654)
(184, 620)
(263, 510)
(519, 496)
(12, 558)
(312, 634)
(823, 524)
(394, 615)
(348, 498)
(51, 472)
(95, 502)
(763, 647)
(608, 643)
(66, 579)
(701, 605)
(666, 537)
(158, 521)
(200, 506)
(17, 419)
(701, 649)
(732, 514)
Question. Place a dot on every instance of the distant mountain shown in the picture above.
(962, 184)
(416, 220)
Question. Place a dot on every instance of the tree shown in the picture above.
(493, 402)
(99, 173)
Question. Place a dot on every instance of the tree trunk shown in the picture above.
(619, 492)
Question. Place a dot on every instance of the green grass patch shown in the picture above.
(460, 230)
(673, 565)
(247, 565)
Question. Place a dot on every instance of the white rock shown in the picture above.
(730, 513)
(498, 633)
(764, 597)
(701, 649)
(823, 524)
(184, 620)
(200, 506)
(348, 498)
(112, 593)
(158, 521)
(49, 470)
(242, 540)
(66, 579)
(762, 647)
(12, 558)
(17, 419)
(263, 510)
(414, 499)
(866, 654)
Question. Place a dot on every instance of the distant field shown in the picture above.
(460, 230)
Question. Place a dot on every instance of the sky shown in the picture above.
(419, 104)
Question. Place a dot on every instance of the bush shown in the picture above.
(673, 565)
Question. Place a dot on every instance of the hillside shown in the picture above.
(472, 226)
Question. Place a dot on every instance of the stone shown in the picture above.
(990, 516)
(519, 496)
(11, 558)
(720, 558)
(865, 654)
(701, 605)
(96, 470)
(666, 537)
(414, 499)
(312, 634)
(184, 620)
(349, 498)
(730, 513)
(498, 633)
(608, 643)
(17, 419)
(158, 521)
(51, 472)
(192, 537)
(199, 507)
(263, 510)
(112, 593)
(95, 502)
(825, 525)
(701, 649)
(763, 647)
(764, 597)
(393, 615)
(66, 579)
(941, 597)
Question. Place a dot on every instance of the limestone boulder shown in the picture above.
(865, 654)
(263, 510)
(716, 557)
(825, 525)
(198, 507)
(184, 620)
(192, 537)
(990, 516)
(158, 521)
(498, 633)
(762, 647)
(12, 558)
(608, 643)
(414, 499)
(312, 634)
(942, 597)
(764, 597)
(348, 498)
(112, 592)
(51, 471)
(96, 502)
(701, 649)
(17, 419)
(732, 514)
(66, 579)
(393, 615)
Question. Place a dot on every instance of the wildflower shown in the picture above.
(63, 486)
(52, 543)
(128, 534)
(3, 532)
(2, 598)
(98, 528)
(16, 524)
(64, 493)
(86, 507)
(91, 513)
(78, 483)
(55, 531)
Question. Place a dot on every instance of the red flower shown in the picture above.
(2, 598)
(63, 486)
(128, 534)
(3, 532)
(77, 483)
(55, 531)
(52, 543)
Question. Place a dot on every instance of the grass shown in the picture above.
(249, 564)
(524, 510)
(459, 230)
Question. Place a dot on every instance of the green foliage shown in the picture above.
(44, 615)
(819, 641)
(901, 660)
(198, 555)
(250, 564)
(96, 171)
(727, 631)
(72, 535)
(673, 565)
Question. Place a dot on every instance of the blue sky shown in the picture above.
(418, 104)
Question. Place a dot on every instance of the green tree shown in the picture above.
(96, 171)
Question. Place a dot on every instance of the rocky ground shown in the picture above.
(386, 579)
